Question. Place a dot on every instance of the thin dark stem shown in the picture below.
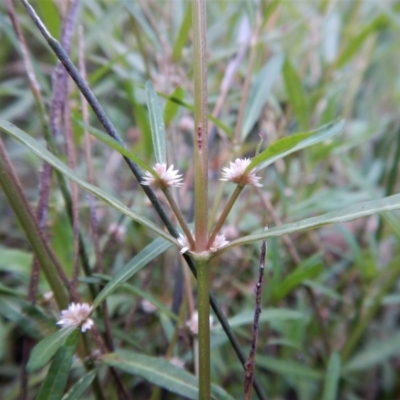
(250, 364)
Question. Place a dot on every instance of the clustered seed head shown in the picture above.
(77, 315)
(236, 173)
(166, 177)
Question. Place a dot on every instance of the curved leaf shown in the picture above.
(56, 379)
(292, 143)
(47, 347)
(160, 372)
(343, 215)
(68, 172)
(79, 388)
(156, 123)
(260, 91)
(332, 378)
(151, 251)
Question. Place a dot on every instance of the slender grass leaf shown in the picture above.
(68, 172)
(150, 252)
(376, 353)
(160, 372)
(267, 315)
(332, 378)
(156, 123)
(79, 388)
(295, 278)
(362, 209)
(288, 367)
(260, 92)
(297, 96)
(47, 347)
(171, 108)
(353, 45)
(109, 141)
(183, 34)
(292, 143)
(56, 379)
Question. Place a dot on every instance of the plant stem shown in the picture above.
(203, 278)
(224, 214)
(179, 217)
(200, 118)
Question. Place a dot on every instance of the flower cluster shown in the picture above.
(166, 177)
(237, 173)
(77, 314)
(218, 242)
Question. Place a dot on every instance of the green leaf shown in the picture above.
(151, 251)
(332, 378)
(376, 353)
(79, 388)
(359, 210)
(288, 367)
(297, 96)
(260, 92)
(47, 347)
(267, 315)
(56, 379)
(171, 107)
(160, 372)
(109, 141)
(292, 143)
(294, 279)
(183, 34)
(156, 123)
(68, 172)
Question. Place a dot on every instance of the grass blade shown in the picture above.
(332, 378)
(156, 123)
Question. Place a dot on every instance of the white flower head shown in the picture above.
(219, 242)
(167, 177)
(193, 323)
(77, 314)
(184, 243)
(237, 173)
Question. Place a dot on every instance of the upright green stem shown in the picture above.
(200, 118)
(203, 283)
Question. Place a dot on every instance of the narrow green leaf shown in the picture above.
(79, 388)
(353, 45)
(297, 96)
(47, 347)
(183, 34)
(332, 378)
(160, 372)
(171, 107)
(54, 385)
(150, 252)
(109, 141)
(294, 279)
(156, 123)
(292, 143)
(68, 172)
(377, 352)
(260, 92)
(359, 210)
(288, 368)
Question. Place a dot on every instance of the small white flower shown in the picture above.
(219, 242)
(193, 323)
(236, 173)
(167, 177)
(77, 314)
(184, 243)
(178, 362)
